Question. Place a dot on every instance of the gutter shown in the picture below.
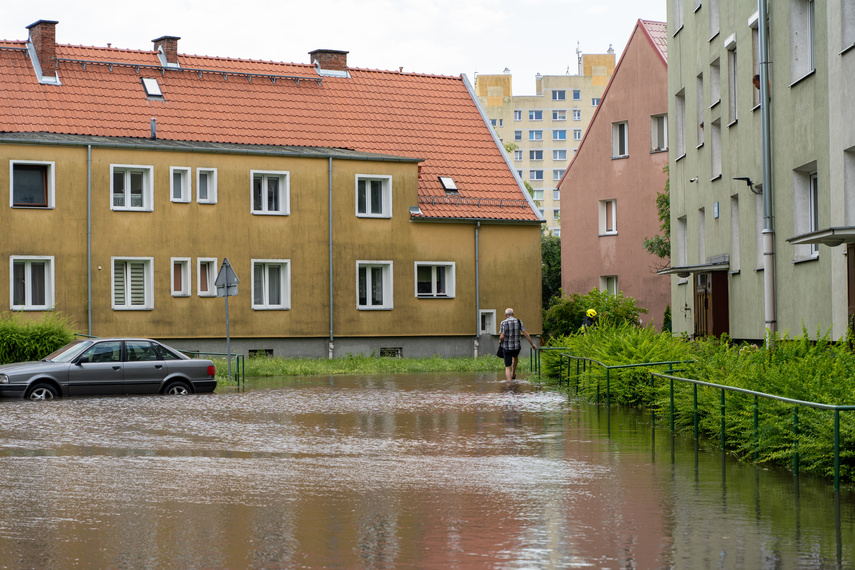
(769, 284)
(330, 226)
(89, 238)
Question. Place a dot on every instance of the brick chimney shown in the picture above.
(43, 40)
(169, 46)
(329, 59)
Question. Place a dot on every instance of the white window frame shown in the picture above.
(559, 154)
(608, 208)
(50, 282)
(535, 115)
(211, 263)
(284, 178)
(537, 196)
(577, 114)
(385, 197)
(50, 181)
(212, 185)
(559, 94)
(680, 126)
(535, 135)
(184, 262)
(609, 284)
(577, 134)
(595, 101)
(147, 197)
(388, 292)
(487, 322)
(450, 275)
(732, 80)
(802, 39)
(577, 94)
(518, 115)
(556, 232)
(536, 174)
(620, 138)
(148, 284)
(284, 266)
(535, 155)
(659, 132)
(559, 134)
(518, 155)
(518, 135)
(185, 191)
(557, 173)
(559, 115)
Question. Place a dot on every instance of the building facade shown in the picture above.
(548, 127)
(133, 175)
(609, 190)
(761, 240)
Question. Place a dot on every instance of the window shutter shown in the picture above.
(119, 283)
(137, 283)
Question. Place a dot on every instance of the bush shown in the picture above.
(564, 315)
(24, 341)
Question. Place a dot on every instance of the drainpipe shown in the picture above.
(330, 223)
(477, 292)
(769, 289)
(89, 237)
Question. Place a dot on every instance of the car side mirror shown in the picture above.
(82, 360)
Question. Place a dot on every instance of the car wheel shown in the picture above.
(42, 392)
(177, 388)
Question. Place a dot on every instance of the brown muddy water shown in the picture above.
(404, 471)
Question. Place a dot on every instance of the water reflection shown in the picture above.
(377, 472)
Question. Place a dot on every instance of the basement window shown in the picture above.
(152, 88)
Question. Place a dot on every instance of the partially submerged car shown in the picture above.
(103, 366)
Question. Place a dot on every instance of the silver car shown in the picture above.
(102, 366)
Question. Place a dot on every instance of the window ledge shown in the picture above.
(181, 294)
(734, 272)
(271, 308)
(658, 150)
(698, 7)
(813, 257)
(622, 156)
(716, 177)
(758, 268)
(374, 308)
(756, 107)
(715, 35)
(677, 31)
(716, 102)
(681, 157)
(270, 214)
(732, 123)
(682, 281)
(847, 49)
(607, 234)
(803, 77)
(701, 145)
(16, 207)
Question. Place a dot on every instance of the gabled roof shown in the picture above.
(655, 32)
(247, 102)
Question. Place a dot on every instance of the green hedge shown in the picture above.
(24, 341)
(816, 371)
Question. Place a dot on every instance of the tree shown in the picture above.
(510, 147)
(565, 313)
(550, 255)
(660, 245)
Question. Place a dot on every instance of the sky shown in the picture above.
(446, 37)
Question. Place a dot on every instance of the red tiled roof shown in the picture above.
(658, 35)
(257, 102)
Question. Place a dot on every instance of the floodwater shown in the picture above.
(404, 471)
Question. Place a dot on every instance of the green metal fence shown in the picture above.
(836, 409)
(238, 365)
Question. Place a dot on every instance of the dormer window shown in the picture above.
(448, 184)
(152, 88)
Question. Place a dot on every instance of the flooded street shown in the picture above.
(404, 471)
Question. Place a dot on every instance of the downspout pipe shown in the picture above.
(769, 283)
(477, 291)
(89, 238)
(330, 229)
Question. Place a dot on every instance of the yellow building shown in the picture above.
(134, 174)
(548, 127)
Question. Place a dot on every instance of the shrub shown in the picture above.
(564, 315)
(24, 341)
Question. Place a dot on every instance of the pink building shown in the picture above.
(608, 193)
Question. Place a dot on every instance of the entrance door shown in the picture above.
(711, 304)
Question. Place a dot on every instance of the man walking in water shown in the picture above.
(509, 338)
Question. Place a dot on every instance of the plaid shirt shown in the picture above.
(511, 328)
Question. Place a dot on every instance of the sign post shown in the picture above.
(227, 285)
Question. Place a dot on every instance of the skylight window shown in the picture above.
(152, 88)
(448, 183)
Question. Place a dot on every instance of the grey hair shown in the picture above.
(509, 312)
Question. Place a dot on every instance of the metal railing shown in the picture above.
(757, 395)
(238, 369)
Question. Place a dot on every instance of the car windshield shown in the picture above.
(69, 352)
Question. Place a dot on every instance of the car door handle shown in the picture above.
(117, 368)
(158, 366)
